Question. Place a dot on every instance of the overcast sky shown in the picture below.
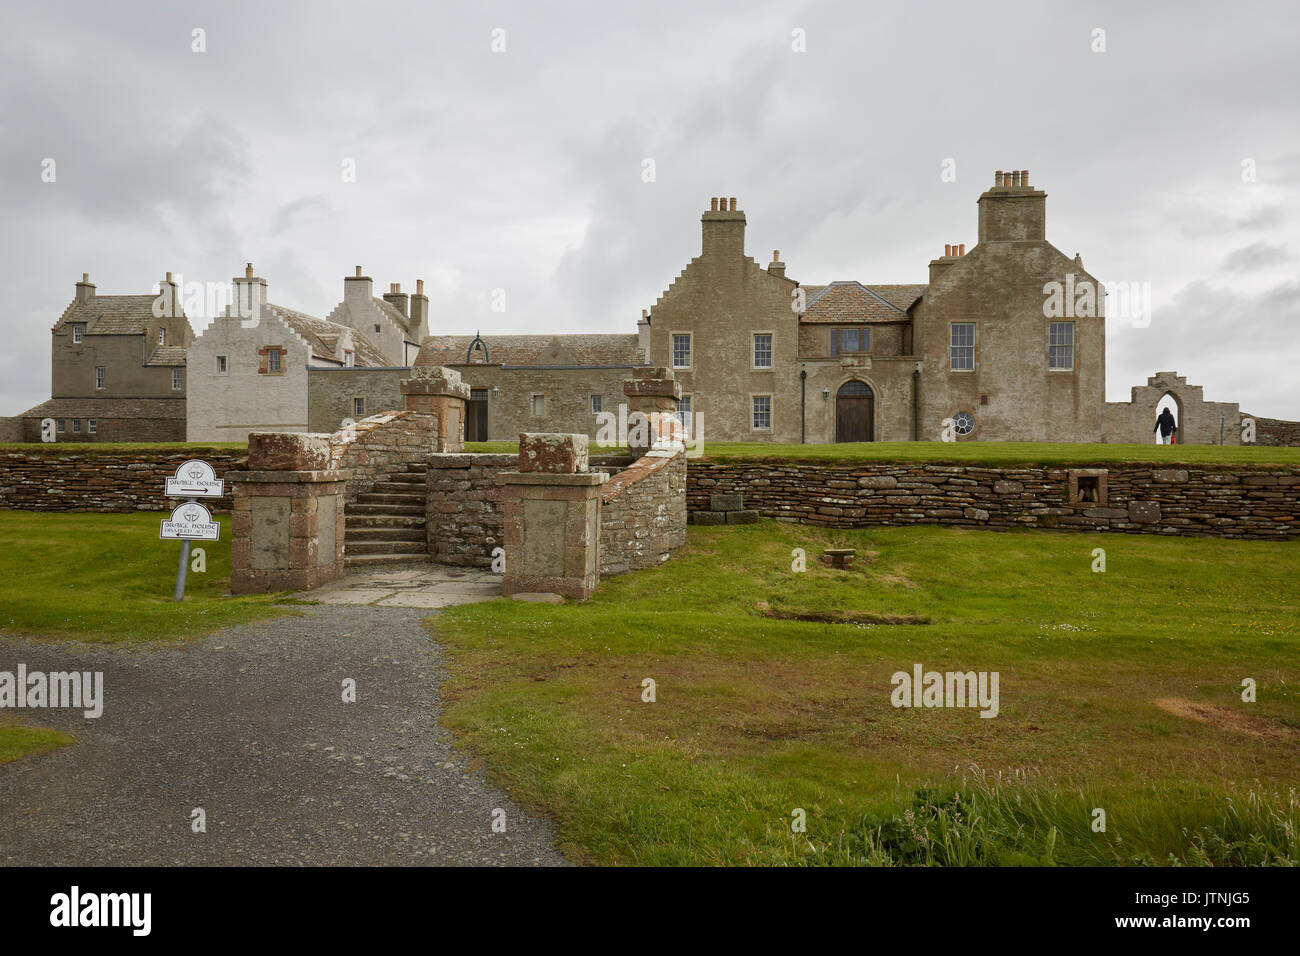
(522, 170)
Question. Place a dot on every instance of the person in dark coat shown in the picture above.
(1165, 426)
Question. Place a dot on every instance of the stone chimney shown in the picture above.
(419, 325)
(250, 292)
(1012, 210)
(951, 253)
(358, 292)
(776, 267)
(169, 299)
(85, 290)
(724, 229)
(643, 336)
(398, 299)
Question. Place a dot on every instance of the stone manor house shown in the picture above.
(759, 356)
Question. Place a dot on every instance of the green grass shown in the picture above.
(1007, 453)
(108, 578)
(1119, 690)
(17, 741)
(112, 448)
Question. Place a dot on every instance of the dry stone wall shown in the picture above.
(643, 517)
(39, 480)
(1223, 501)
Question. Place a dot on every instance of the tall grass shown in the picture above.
(1019, 820)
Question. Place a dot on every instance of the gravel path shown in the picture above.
(249, 724)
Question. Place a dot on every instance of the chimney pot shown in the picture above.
(947, 250)
(713, 204)
(1024, 177)
(248, 271)
(733, 203)
(961, 249)
(997, 178)
(776, 255)
(419, 287)
(358, 272)
(169, 277)
(645, 314)
(85, 277)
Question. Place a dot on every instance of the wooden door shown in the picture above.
(855, 412)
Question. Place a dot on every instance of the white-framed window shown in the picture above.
(93, 426)
(76, 425)
(349, 358)
(963, 423)
(762, 419)
(681, 350)
(223, 365)
(684, 413)
(762, 350)
(78, 332)
(162, 336)
(961, 346)
(1060, 346)
(101, 376)
(62, 425)
(273, 361)
(359, 407)
(537, 405)
(178, 379)
(596, 403)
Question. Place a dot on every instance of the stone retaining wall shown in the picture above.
(643, 516)
(465, 514)
(1276, 432)
(1223, 501)
(39, 480)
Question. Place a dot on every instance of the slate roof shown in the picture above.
(167, 355)
(591, 350)
(849, 301)
(323, 336)
(112, 314)
(107, 408)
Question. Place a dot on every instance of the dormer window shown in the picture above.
(349, 358)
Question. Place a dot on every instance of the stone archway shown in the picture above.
(1171, 400)
(855, 412)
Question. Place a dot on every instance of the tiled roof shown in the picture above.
(854, 302)
(108, 408)
(394, 313)
(167, 355)
(595, 349)
(323, 336)
(112, 314)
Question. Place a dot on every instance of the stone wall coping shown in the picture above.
(641, 468)
(300, 477)
(581, 479)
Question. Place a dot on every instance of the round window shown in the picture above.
(963, 423)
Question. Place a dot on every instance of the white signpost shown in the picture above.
(191, 521)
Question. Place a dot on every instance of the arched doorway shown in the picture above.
(1170, 401)
(855, 412)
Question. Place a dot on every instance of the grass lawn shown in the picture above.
(1118, 690)
(17, 741)
(108, 577)
(1007, 453)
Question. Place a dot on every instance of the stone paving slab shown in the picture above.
(422, 586)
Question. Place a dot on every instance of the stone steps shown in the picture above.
(370, 560)
(387, 498)
(391, 487)
(384, 520)
(381, 508)
(356, 535)
(386, 547)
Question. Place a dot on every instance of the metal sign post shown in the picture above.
(191, 521)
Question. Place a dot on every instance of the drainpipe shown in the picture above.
(916, 402)
(803, 405)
